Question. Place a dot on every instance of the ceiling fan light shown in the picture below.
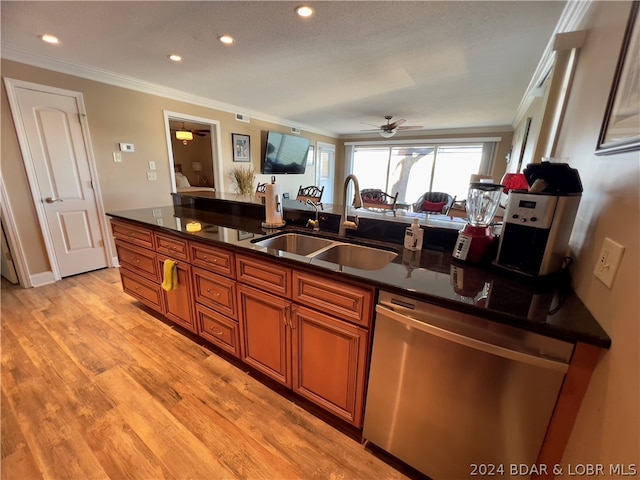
(387, 133)
(184, 135)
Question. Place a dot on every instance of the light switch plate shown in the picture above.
(608, 261)
(152, 165)
(117, 157)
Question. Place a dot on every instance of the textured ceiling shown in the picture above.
(442, 64)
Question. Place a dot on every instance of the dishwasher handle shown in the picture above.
(473, 342)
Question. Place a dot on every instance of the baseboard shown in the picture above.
(40, 279)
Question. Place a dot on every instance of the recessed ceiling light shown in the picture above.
(226, 39)
(175, 58)
(49, 38)
(304, 11)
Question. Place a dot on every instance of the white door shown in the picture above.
(56, 157)
(325, 170)
(6, 261)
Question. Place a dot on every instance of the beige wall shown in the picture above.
(117, 115)
(608, 426)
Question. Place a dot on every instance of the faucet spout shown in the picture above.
(357, 203)
(313, 223)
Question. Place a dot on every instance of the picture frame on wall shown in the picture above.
(620, 130)
(241, 147)
(311, 156)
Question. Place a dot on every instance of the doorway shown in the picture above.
(194, 158)
(326, 169)
(53, 135)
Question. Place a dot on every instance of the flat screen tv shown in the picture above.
(285, 153)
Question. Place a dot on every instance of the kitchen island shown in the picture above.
(429, 275)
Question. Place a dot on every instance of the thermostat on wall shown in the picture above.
(127, 147)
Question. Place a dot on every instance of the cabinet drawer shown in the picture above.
(214, 259)
(133, 234)
(139, 260)
(172, 246)
(216, 292)
(144, 290)
(265, 275)
(342, 300)
(218, 329)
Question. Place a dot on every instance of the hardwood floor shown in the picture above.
(93, 386)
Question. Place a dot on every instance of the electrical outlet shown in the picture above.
(151, 176)
(608, 261)
(117, 157)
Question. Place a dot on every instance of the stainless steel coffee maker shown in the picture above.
(537, 222)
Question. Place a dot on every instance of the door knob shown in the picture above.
(52, 200)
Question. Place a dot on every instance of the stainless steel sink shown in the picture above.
(295, 243)
(331, 251)
(356, 256)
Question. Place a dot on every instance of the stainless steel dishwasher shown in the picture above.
(449, 392)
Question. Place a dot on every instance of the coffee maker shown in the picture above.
(537, 222)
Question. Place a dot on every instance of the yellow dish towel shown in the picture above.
(170, 275)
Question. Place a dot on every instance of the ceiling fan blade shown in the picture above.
(397, 123)
(370, 124)
(410, 127)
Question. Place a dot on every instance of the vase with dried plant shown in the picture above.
(243, 178)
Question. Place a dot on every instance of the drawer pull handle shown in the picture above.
(215, 294)
(216, 332)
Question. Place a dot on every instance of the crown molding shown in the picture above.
(571, 20)
(21, 55)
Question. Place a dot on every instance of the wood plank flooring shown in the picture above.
(93, 386)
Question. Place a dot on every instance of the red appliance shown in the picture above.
(476, 239)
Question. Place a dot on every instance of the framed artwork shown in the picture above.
(311, 156)
(241, 147)
(242, 235)
(620, 130)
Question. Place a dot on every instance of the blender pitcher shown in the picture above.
(476, 239)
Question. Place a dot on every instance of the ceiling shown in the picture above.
(437, 64)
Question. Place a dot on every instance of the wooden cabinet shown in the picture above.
(266, 343)
(320, 357)
(308, 332)
(213, 259)
(135, 234)
(345, 301)
(138, 260)
(329, 363)
(218, 329)
(172, 246)
(215, 291)
(269, 276)
(179, 303)
(149, 293)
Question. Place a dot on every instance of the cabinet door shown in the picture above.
(264, 327)
(179, 302)
(329, 363)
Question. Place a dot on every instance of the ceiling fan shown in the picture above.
(389, 129)
(186, 134)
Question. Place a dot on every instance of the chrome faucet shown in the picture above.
(357, 203)
(313, 223)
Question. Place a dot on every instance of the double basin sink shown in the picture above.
(332, 251)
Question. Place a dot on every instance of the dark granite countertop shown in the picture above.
(429, 275)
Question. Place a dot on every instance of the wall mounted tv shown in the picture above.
(285, 153)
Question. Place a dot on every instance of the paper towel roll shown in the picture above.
(273, 208)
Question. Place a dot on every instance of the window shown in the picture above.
(415, 168)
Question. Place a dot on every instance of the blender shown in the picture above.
(476, 239)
